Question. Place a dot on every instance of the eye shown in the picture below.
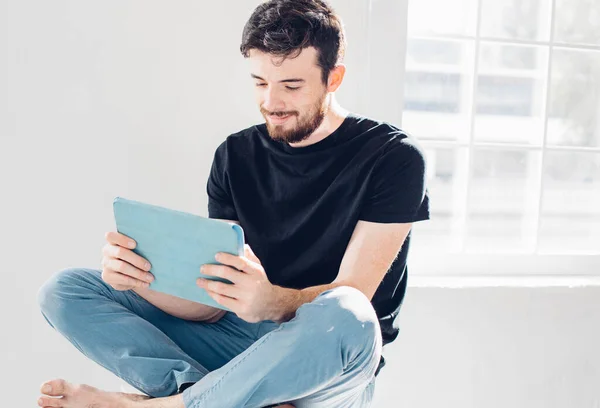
(292, 88)
(259, 85)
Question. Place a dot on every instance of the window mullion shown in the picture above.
(470, 149)
(548, 87)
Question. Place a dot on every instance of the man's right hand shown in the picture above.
(122, 268)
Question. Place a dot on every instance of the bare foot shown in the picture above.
(84, 396)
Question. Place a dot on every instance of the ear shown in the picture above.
(336, 76)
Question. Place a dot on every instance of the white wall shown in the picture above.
(494, 348)
(130, 98)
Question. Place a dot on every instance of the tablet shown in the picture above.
(176, 244)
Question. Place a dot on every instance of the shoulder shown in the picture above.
(395, 142)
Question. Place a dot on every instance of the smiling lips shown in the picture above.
(278, 119)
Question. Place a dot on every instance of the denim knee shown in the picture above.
(58, 288)
(347, 313)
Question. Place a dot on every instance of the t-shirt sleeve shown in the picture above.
(220, 200)
(397, 191)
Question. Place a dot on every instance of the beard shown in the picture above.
(305, 126)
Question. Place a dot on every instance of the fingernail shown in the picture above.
(47, 388)
(150, 277)
(131, 244)
(147, 265)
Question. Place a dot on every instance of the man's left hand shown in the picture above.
(251, 296)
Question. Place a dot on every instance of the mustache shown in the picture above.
(280, 114)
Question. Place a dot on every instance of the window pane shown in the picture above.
(577, 21)
(520, 19)
(442, 17)
(445, 184)
(510, 94)
(437, 88)
(503, 202)
(574, 111)
(570, 203)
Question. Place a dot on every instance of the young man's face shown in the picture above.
(291, 96)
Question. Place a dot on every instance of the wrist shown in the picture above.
(284, 304)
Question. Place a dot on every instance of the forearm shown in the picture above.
(289, 300)
(182, 308)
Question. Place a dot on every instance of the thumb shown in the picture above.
(250, 254)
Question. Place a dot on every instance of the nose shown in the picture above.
(272, 102)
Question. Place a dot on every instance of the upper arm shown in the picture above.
(397, 191)
(371, 251)
(220, 198)
(396, 198)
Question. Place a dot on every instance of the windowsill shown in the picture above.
(502, 281)
(516, 270)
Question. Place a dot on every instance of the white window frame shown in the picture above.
(386, 55)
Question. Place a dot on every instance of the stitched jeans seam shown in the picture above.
(211, 389)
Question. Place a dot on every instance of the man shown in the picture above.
(326, 199)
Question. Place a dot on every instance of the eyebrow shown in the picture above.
(284, 80)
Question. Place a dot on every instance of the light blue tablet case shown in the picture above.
(176, 244)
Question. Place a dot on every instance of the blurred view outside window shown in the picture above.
(504, 96)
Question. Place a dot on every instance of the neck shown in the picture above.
(332, 120)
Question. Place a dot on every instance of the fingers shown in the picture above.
(222, 288)
(118, 252)
(228, 302)
(121, 281)
(117, 238)
(243, 264)
(128, 282)
(233, 275)
(129, 273)
(123, 269)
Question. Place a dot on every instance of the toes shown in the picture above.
(56, 388)
(47, 402)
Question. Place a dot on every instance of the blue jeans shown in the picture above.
(326, 356)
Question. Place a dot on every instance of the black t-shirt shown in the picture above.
(298, 206)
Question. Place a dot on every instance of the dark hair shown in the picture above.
(285, 27)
